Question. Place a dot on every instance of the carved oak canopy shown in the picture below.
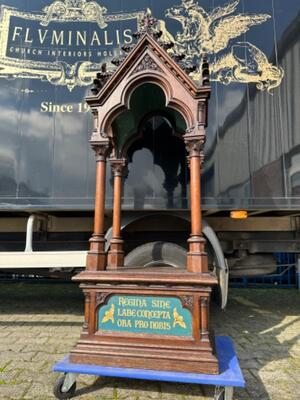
(149, 80)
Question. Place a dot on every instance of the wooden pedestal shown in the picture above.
(150, 319)
(155, 318)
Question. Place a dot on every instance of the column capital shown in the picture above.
(117, 165)
(194, 140)
(101, 148)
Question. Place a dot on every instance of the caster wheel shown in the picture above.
(220, 397)
(219, 394)
(57, 390)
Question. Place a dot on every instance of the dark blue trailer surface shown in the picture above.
(50, 52)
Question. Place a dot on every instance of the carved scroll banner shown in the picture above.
(145, 314)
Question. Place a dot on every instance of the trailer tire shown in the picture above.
(157, 253)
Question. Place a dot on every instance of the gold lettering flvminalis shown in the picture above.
(70, 37)
(213, 33)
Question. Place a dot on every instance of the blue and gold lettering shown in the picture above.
(145, 314)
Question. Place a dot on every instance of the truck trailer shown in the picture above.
(50, 52)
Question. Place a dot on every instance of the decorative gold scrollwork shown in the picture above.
(211, 33)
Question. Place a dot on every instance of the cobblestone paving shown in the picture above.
(39, 324)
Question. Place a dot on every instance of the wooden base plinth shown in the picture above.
(158, 358)
(145, 319)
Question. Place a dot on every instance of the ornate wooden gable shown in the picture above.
(149, 61)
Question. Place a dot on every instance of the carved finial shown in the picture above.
(128, 47)
(205, 71)
(101, 78)
(167, 45)
(117, 61)
(188, 67)
(178, 57)
(148, 24)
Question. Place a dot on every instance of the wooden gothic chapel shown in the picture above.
(155, 317)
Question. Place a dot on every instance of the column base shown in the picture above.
(115, 260)
(115, 257)
(97, 257)
(196, 256)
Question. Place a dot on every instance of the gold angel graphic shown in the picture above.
(109, 315)
(178, 319)
(212, 34)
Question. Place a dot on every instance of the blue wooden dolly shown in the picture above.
(230, 373)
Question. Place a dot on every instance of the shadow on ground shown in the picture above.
(111, 388)
(38, 298)
(265, 327)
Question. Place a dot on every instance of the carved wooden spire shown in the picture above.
(148, 24)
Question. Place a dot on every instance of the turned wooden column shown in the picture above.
(196, 256)
(116, 253)
(96, 258)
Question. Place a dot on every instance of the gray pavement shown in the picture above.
(40, 323)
